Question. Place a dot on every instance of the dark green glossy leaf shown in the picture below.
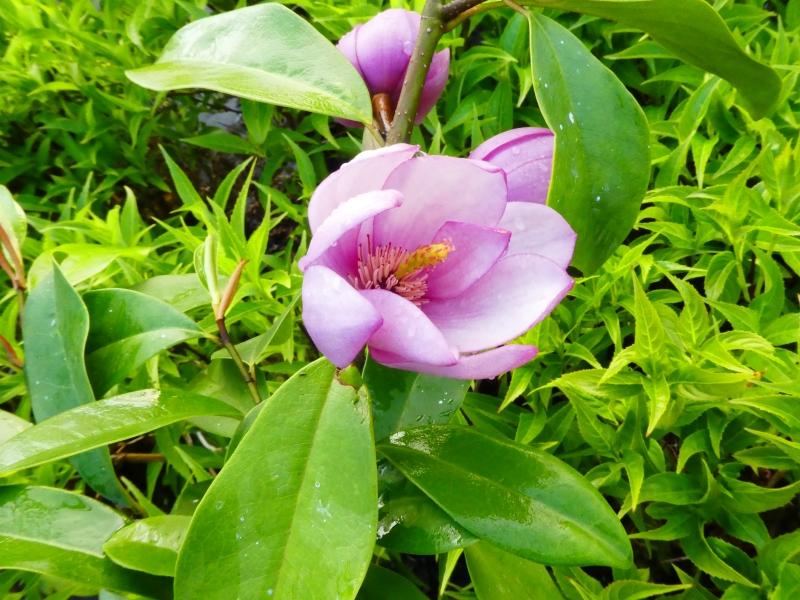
(300, 484)
(498, 575)
(694, 32)
(522, 500)
(103, 422)
(402, 399)
(54, 328)
(381, 584)
(601, 163)
(253, 53)
(412, 523)
(150, 545)
(125, 329)
(61, 534)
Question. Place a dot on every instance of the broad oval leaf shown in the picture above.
(293, 512)
(403, 399)
(411, 523)
(11, 425)
(61, 534)
(519, 499)
(54, 329)
(381, 584)
(125, 329)
(103, 422)
(498, 575)
(601, 164)
(694, 31)
(150, 545)
(264, 53)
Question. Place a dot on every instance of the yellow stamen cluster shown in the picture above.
(422, 257)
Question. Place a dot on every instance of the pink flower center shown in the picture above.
(397, 270)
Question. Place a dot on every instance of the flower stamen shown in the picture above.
(394, 269)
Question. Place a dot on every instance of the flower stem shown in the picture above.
(453, 9)
(430, 31)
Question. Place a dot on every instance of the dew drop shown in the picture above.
(571, 118)
(316, 484)
(219, 504)
(428, 30)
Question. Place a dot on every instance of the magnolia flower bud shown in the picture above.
(526, 155)
(381, 49)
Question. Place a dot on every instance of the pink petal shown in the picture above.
(518, 292)
(526, 155)
(384, 45)
(407, 332)
(338, 319)
(434, 83)
(538, 229)
(347, 46)
(366, 172)
(484, 365)
(346, 217)
(475, 250)
(437, 189)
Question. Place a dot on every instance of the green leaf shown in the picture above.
(150, 545)
(498, 575)
(402, 399)
(11, 425)
(12, 219)
(601, 163)
(104, 422)
(222, 141)
(638, 590)
(694, 32)
(700, 553)
(293, 512)
(60, 534)
(125, 329)
(517, 498)
(650, 333)
(411, 523)
(54, 329)
(381, 584)
(264, 53)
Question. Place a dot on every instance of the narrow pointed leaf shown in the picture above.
(602, 160)
(54, 329)
(104, 422)
(517, 498)
(293, 512)
(264, 53)
(125, 329)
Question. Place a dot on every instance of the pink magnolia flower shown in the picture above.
(526, 155)
(423, 259)
(381, 49)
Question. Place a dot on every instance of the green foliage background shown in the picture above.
(670, 378)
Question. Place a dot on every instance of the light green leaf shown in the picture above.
(541, 508)
(700, 553)
(264, 53)
(54, 329)
(125, 329)
(150, 545)
(301, 482)
(601, 163)
(103, 422)
(12, 219)
(61, 534)
(11, 425)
